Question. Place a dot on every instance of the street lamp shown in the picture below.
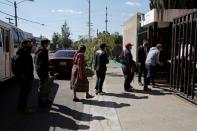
(15, 8)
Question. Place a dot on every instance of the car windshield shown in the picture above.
(65, 54)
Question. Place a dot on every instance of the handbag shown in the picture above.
(81, 85)
(134, 66)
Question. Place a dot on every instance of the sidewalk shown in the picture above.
(158, 110)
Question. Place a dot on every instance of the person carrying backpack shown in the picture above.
(24, 65)
(41, 65)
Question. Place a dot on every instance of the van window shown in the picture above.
(15, 38)
(21, 35)
(6, 40)
(1, 39)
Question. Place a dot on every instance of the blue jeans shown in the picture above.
(149, 75)
(100, 80)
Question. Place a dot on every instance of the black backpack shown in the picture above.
(15, 64)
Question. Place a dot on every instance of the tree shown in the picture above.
(66, 41)
(113, 41)
(56, 38)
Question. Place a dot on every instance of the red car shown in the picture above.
(61, 62)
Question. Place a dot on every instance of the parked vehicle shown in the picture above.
(10, 37)
(61, 62)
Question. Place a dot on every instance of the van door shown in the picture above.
(2, 56)
(7, 54)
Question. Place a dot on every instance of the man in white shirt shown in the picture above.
(151, 61)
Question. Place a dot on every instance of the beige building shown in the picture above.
(155, 25)
(130, 32)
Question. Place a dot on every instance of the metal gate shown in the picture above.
(183, 56)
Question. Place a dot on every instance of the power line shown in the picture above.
(6, 13)
(9, 1)
(31, 21)
(35, 22)
(5, 3)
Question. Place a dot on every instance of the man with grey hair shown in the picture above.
(151, 61)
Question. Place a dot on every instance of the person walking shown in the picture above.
(127, 64)
(79, 81)
(142, 54)
(41, 65)
(101, 60)
(25, 74)
(151, 61)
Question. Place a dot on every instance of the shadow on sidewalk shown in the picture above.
(114, 74)
(33, 98)
(154, 91)
(109, 104)
(41, 120)
(44, 121)
(126, 95)
(76, 114)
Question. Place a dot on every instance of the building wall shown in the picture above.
(162, 16)
(130, 32)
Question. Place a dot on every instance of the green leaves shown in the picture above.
(113, 41)
(62, 40)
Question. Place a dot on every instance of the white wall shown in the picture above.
(130, 28)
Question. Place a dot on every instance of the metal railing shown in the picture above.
(183, 78)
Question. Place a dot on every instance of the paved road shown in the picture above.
(158, 110)
(116, 110)
(64, 114)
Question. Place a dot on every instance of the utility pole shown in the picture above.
(106, 20)
(89, 23)
(10, 19)
(15, 9)
(15, 6)
(97, 32)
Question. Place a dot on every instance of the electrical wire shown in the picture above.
(9, 1)
(6, 13)
(5, 3)
(31, 21)
(35, 22)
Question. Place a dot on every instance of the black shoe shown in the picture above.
(147, 89)
(25, 110)
(129, 90)
(76, 100)
(44, 105)
(49, 102)
(89, 96)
